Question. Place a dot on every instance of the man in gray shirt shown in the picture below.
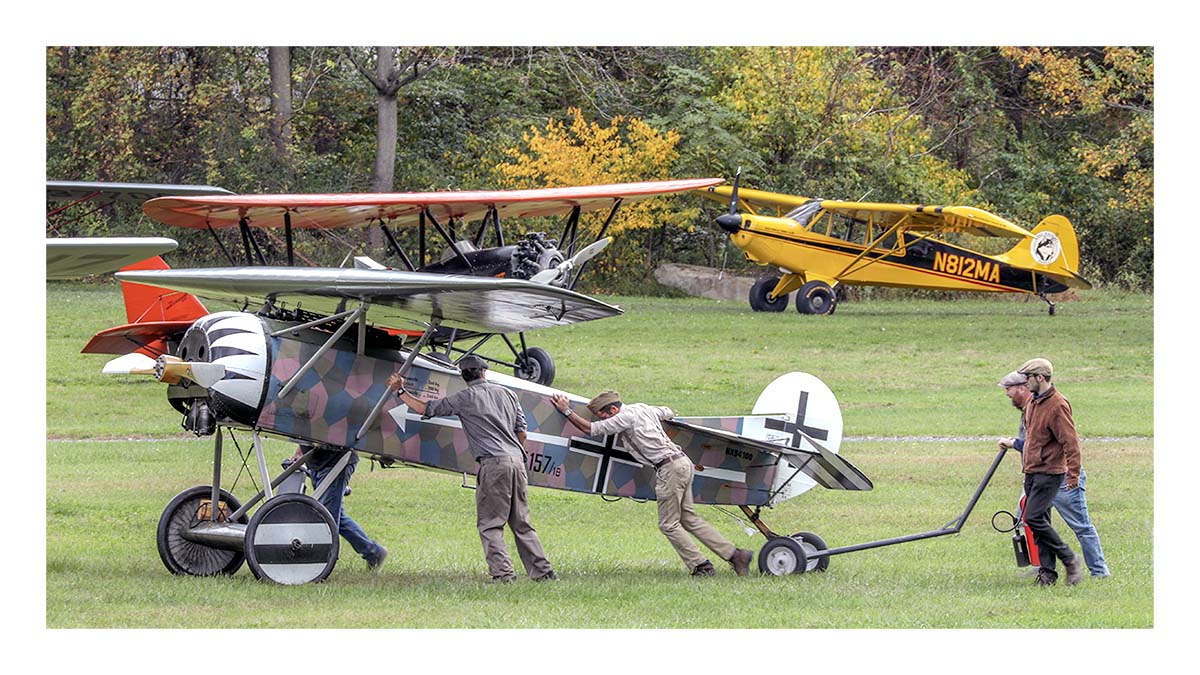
(494, 424)
(640, 429)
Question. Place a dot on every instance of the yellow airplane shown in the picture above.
(821, 243)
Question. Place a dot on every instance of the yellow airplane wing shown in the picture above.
(965, 219)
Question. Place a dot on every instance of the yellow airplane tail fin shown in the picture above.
(1053, 250)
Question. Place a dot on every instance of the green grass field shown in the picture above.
(913, 377)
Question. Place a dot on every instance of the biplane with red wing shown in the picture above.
(446, 215)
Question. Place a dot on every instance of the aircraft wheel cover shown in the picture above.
(811, 543)
(187, 557)
(759, 293)
(292, 539)
(782, 556)
(535, 365)
(815, 297)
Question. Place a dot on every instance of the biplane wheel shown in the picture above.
(535, 365)
(760, 300)
(811, 544)
(782, 556)
(815, 297)
(188, 557)
(292, 539)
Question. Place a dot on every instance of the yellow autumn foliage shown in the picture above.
(578, 151)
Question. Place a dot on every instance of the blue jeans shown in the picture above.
(332, 500)
(1072, 506)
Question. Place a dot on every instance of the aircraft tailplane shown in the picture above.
(1053, 250)
(154, 315)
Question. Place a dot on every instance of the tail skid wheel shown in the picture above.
(181, 556)
(292, 539)
(782, 556)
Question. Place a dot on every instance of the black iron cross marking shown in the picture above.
(798, 430)
(607, 451)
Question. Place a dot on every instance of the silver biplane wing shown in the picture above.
(828, 469)
(72, 257)
(124, 193)
(396, 299)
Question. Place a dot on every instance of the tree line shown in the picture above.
(1024, 132)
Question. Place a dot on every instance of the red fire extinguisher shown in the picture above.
(1023, 544)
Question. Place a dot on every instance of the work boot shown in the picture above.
(1074, 570)
(379, 558)
(704, 569)
(1046, 579)
(548, 576)
(741, 561)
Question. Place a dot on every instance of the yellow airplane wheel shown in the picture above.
(760, 300)
(815, 297)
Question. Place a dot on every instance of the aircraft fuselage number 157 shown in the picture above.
(543, 464)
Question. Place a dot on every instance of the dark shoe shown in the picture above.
(1044, 579)
(741, 561)
(1075, 570)
(378, 561)
(548, 576)
(503, 579)
(704, 569)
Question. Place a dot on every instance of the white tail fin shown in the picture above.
(803, 410)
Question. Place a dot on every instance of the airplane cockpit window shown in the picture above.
(804, 213)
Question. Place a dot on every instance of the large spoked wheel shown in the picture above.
(535, 365)
(760, 296)
(184, 512)
(782, 556)
(811, 543)
(815, 297)
(292, 539)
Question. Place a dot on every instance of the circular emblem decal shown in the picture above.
(1045, 248)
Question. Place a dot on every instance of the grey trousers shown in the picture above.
(677, 515)
(501, 497)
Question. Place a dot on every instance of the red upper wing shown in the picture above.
(346, 210)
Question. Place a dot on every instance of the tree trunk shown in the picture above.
(279, 60)
(383, 174)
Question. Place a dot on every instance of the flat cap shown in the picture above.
(603, 400)
(472, 361)
(1012, 379)
(1036, 367)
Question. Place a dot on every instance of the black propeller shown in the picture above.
(732, 222)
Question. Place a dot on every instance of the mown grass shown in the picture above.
(899, 368)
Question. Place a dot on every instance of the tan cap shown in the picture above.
(603, 400)
(1012, 379)
(1036, 367)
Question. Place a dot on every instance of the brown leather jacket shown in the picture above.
(1051, 443)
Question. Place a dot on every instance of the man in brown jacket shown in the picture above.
(1051, 450)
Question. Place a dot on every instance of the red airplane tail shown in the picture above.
(155, 316)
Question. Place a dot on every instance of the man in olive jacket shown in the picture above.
(1051, 450)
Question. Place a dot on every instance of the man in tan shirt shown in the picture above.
(640, 429)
